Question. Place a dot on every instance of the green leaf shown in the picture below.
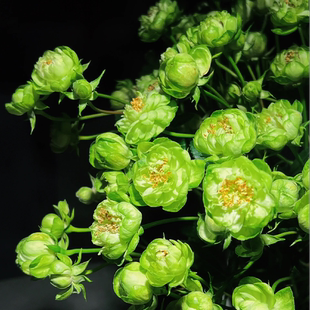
(61, 97)
(69, 95)
(196, 96)
(55, 248)
(217, 55)
(96, 82)
(250, 248)
(65, 295)
(32, 119)
(82, 106)
(227, 242)
(265, 94)
(284, 299)
(85, 66)
(135, 197)
(65, 259)
(205, 80)
(40, 106)
(269, 239)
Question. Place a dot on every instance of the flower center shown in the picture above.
(137, 104)
(235, 192)
(107, 221)
(159, 174)
(288, 2)
(290, 56)
(47, 62)
(162, 253)
(221, 123)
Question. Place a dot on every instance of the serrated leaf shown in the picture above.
(94, 84)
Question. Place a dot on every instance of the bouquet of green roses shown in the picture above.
(224, 116)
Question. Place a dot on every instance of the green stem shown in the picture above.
(216, 98)
(215, 92)
(296, 155)
(274, 286)
(61, 119)
(285, 234)
(289, 162)
(251, 72)
(171, 220)
(105, 111)
(246, 267)
(270, 99)
(304, 114)
(174, 41)
(72, 228)
(88, 137)
(257, 68)
(77, 251)
(264, 23)
(302, 38)
(90, 271)
(178, 134)
(135, 254)
(112, 98)
(232, 62)
(226, 69)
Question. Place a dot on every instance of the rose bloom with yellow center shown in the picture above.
(237, 196)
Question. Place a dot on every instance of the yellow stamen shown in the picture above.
(137, 104)
(235, 192)
(158, 174)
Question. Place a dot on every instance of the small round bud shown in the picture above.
(86, 195)
(82, 89)
(52, 224)
(251, 91)
(131, 285)
(255, 45)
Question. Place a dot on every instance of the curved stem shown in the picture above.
(226, 69)
(285, 234)
(172, 220)
(287, 161)
(216, 98)
(112, 98)
(90, 271)
(83, 118)
(77, 251)
(178, 134)
(72, 228)
(88, 137)
(246, 267)
(135, 254)
(274, 286)
(104, 111)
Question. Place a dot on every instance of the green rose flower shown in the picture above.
(209, 231)
(33, 256)
(252, 90)
(278, 124)
(158, 18)
(53, 224)
(233, 93)
(193, 301)
(166, 262)
(302, 209)
(164, 174)
(252, 293)
(255, 45)
(291, 66)
(56, 70)
(146, 117)
(178, 75)
(263, 6)
(289, 13)
(237, 197)
(305, 174)
(285, 193)
(65, 275)
(244, 8)
(109, 151)
(219, 29)
(148, 83)
(24, 100)
(131, 285)
(226, 132)
(116, 228)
